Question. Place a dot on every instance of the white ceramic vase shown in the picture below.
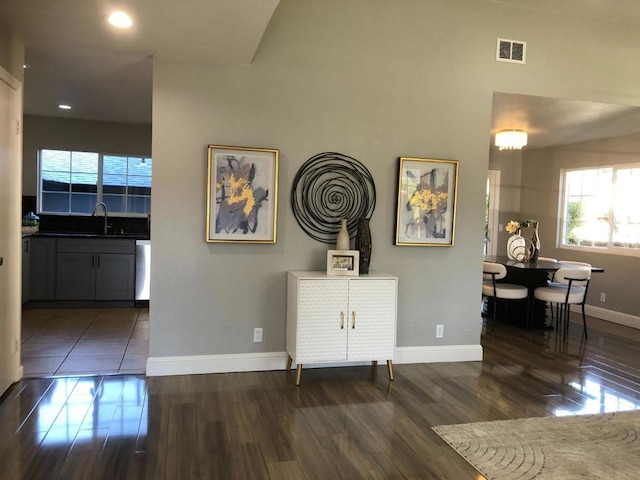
(517, 248)
(343, 241)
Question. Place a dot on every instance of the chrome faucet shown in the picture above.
(106, 213)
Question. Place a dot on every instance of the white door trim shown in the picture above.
(493, 177)
(9, 79)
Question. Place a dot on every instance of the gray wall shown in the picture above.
(375, 80)
(82, 135)
(509, 163)
(540, 194)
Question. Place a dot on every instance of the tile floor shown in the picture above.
(84, 341)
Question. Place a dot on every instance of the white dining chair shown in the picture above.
(499, 291)
(569, 287)
(549, 280)
(553, 283)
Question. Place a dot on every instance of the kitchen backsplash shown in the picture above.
(90, 224)
(86, 223)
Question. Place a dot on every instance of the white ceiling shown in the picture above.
(106, 74)
(622, 12)
(552, 121)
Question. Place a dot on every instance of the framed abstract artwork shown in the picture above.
(426, 208)
(242, 194)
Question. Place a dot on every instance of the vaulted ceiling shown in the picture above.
(75, 58)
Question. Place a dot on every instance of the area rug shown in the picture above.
(605, 446)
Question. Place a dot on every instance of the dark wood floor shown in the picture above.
(341, 423)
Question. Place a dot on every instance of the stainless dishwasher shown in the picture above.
(143, 269)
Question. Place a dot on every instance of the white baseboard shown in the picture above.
(199, 364)
(259, 362)
(446, 353)
(612, 316)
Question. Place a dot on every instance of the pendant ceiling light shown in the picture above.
(511, 139)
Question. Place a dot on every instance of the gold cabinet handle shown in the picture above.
(353, 319)
(341, 320)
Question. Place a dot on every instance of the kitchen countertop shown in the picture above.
(133, 236)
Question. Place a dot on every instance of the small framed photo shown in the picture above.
(343, 262)
(242, 194)
(426, 208)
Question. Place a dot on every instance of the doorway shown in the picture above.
(492, 208)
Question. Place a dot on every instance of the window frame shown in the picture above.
(99, 184)
(609, 249)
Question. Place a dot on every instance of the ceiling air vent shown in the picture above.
(512, 51)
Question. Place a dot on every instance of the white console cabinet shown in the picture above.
(340, 319)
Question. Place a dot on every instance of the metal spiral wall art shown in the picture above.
(330, 187)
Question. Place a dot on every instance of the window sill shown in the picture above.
(624, 252)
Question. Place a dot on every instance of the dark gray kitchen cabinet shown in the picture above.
(42, 268)
(95, 269)
(25, 269)
(115, 276)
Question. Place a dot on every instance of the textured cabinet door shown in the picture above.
(372, 319)
(115, 274)
(322, 320)
(338, 319)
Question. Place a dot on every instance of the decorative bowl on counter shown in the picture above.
(27, 229)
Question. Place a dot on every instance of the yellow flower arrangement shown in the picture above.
(514, 226)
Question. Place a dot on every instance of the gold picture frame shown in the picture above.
(242, 194)
(426, 205)
(343, 262)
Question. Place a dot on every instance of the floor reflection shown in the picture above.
(74, 410)
(598, 399)
(340, 423)
(574, 376)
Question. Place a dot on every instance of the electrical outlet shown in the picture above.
(603, 297)
(439, 331)
(257, 334)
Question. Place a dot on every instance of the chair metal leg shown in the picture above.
(584, 321)
(495, 309)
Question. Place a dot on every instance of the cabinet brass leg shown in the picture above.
(298, 374)
(374, 370)
(390, 368)
(289, 362)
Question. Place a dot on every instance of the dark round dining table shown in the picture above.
(532, 275)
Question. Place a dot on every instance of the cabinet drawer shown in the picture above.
(96, 245)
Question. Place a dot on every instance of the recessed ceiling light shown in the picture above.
(25, 65)
(62, 106)
(120, 20)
